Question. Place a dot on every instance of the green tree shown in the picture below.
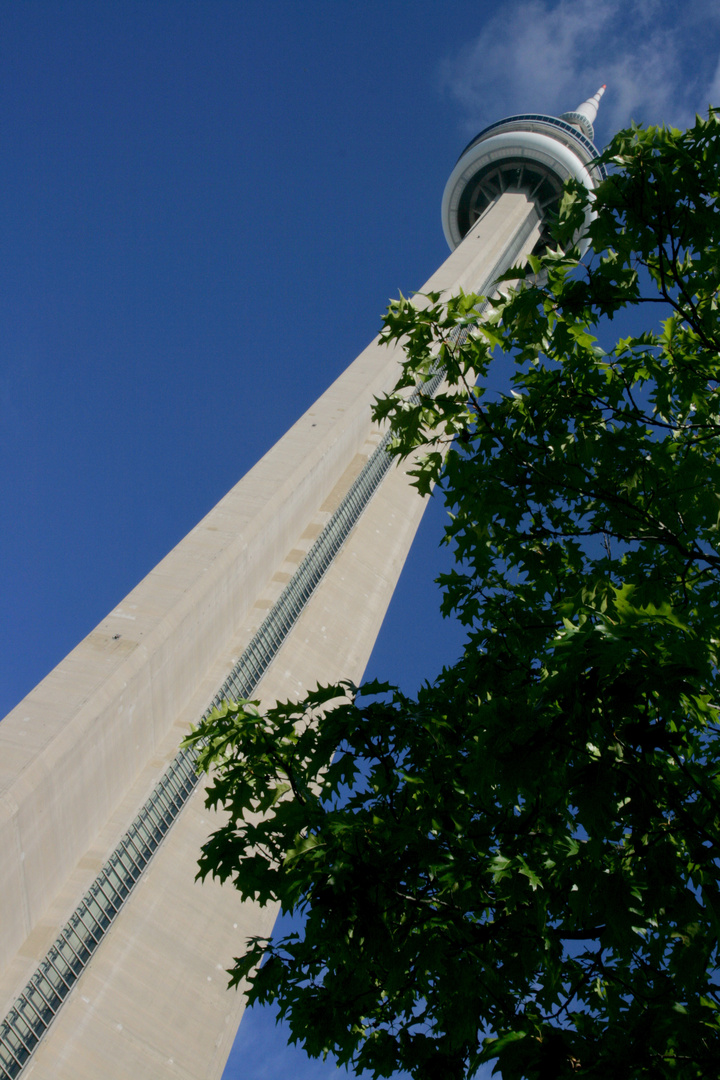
(520, 864)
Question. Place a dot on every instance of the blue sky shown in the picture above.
(205, 209)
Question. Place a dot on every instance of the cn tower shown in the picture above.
(112, 957)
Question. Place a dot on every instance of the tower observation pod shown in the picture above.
(528, 157)
(112, 955)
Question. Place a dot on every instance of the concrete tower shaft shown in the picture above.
(112, 956)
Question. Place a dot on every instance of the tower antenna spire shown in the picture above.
(584, 116)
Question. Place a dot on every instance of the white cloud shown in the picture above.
(661, 63)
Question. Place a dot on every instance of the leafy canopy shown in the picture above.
(520, 865)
